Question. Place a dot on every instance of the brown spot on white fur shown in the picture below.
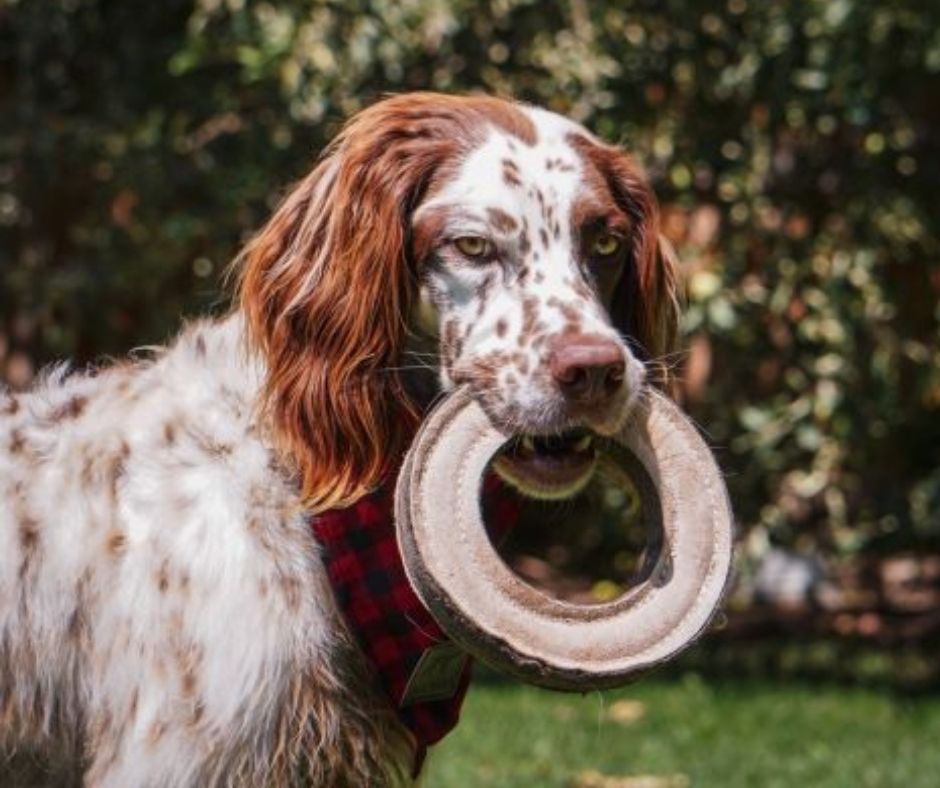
(525, 244)
(163, 577)
(117, 542)
(78, 621)
(511, 179)
(484, 289)
(198, 712)
(17, 441)
(530, 314)
(116, 468)
(502, 222)
(511, 174)
(451, 341)
(72, 409)
(29, 541)
(290, 588)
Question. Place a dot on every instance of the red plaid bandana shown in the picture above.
(392, 626)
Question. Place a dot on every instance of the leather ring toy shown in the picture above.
(502, 620)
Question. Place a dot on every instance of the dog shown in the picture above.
(165, 615)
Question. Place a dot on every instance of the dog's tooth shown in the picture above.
(583, 444)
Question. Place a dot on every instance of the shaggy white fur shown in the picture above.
(163, 609)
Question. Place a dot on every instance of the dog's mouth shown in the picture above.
(550, 467)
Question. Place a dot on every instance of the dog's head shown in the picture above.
(535, 244)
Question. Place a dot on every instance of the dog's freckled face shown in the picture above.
(526, 249)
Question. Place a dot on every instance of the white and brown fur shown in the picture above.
(165, 618)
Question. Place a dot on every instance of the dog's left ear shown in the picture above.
(648, 300)
(326, 289)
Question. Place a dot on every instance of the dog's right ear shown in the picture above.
(326, 288)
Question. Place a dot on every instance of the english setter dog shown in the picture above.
(165, 615)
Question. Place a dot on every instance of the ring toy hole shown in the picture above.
(589, 546)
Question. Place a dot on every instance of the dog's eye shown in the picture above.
(474, 246)
(606, 245)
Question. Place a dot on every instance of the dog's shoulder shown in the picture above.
(147, 526)
(176, 424)
(161, 456)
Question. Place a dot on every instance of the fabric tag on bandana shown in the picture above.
(436, 676)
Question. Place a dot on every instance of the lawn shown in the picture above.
(688, 731)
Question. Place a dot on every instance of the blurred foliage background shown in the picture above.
(794, 146)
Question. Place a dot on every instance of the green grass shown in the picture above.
(729, 733)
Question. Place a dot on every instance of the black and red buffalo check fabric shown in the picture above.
(391, 624)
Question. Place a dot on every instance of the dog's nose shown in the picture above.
(587, 368)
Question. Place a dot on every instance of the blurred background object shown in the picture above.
(795, 147)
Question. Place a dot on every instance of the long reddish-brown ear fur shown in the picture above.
(648, 302)
(326, 289)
